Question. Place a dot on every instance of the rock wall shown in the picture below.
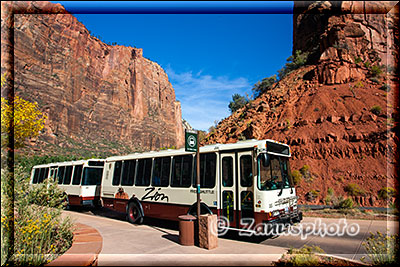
(338, 116)
(345, 38)
(90, 91)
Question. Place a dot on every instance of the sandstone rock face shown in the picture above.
(327, 117)
(90, 91)
(345, 38)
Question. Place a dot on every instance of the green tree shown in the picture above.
(293, 62)
(266, 84)
(237, 102)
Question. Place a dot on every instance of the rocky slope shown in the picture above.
(96, 96)
(338, 112)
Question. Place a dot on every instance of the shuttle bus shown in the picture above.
(81, 180)
(241, 182)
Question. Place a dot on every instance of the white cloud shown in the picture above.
(205, 98)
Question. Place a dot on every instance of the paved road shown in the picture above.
(161, 237)
(347, 243)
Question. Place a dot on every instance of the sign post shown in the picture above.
(192, 145)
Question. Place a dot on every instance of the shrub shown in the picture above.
(346, 203)
(263, 86)
(28, 120)
(40, 233)
(359, 84)
(330, 198)
(305, 172)
(296, 177)
(354, 190)
(381, 249)
(304, 256)
(376, 110)
(311, 195)
(50, 196)
(357, 60)
(305, 169)
(376, 71)
(386, 193)
(237, 102)
(293, 62)
(287, 124)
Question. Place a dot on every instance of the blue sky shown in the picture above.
(208, 57)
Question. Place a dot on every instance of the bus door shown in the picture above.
(245, 196)
(228, 188)
(75, 188)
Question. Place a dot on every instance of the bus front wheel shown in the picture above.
(134, 215)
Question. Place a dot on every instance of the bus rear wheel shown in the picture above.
(134, 215)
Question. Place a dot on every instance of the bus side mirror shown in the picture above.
(265, 159)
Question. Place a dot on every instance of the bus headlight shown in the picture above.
(275, 213)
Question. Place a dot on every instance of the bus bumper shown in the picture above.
(281, 223)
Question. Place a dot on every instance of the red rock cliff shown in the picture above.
(340, 112)
(91, 92)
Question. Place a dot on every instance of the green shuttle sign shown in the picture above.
(190, 141)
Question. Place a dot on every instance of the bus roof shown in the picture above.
(66, 163)
(250, 144)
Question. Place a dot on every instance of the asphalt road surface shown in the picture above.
(336, 236)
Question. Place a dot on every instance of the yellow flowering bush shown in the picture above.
(40, 235)
(382, 249)
(28, 121)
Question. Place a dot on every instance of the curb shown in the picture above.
(86, 246)
(360, 263)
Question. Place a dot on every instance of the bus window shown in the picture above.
(165, 171)
(246, 204)
(273, 174)
(77, 175)
(227, 171)
(143, 172)
(161, 170)
(41, 175)
(60, 174)
(46, 174)
(227, 205)
(128, 172)
(287, 181)
(92, 176)
(207, 170)
(68, 175)
(117, 173)
(35, 176)
(181, 171)
(96, 163)
(246, 176)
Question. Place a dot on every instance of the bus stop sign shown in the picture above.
(190, 141)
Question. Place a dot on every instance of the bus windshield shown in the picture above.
(273, 172)
(92, 176)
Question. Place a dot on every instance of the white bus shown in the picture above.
(81, 180)
(245, 180)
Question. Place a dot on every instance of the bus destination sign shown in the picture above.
(190, 141)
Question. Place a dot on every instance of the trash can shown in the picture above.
(186, 230)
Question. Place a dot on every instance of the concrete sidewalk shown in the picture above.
(125, 244)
